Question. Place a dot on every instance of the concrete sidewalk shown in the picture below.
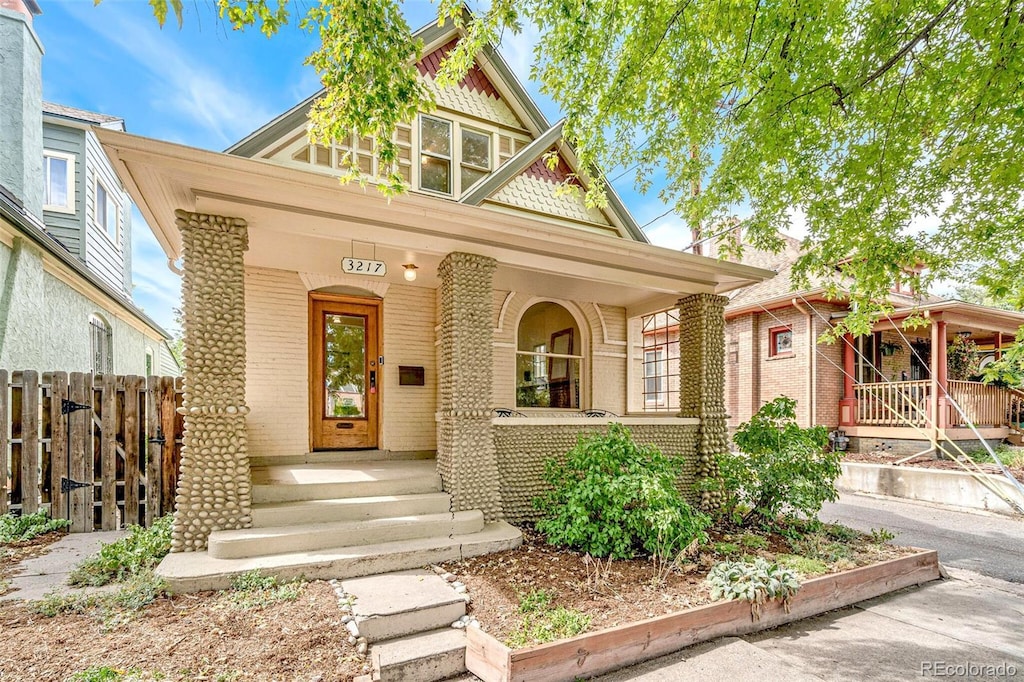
(967, 627)
(35, 578)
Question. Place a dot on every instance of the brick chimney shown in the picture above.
(21, 104)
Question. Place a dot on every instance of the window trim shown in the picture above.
(433, 155)
(69, 207)
(456, 126)
(658, 398)
(486, 170)
(102, 226)
(773, 335)
(97, 324)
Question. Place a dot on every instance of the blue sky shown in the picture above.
(207, 86)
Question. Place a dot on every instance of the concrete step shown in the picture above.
(339, 456)
(402, 603)
(198, 571)
(301, 482)
(312, 537)
(348, 509)
(425, 657)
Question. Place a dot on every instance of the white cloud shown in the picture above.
(670, 232)
(193, 88)
(157, 290)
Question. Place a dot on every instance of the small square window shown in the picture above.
(780, 341)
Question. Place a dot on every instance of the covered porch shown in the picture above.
(897, 384)
(469, 310)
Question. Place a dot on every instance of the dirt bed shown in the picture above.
(620, 591)
(187, 637)
(926, 463)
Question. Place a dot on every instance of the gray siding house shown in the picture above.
(65, 230)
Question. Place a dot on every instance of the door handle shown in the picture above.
(373, 381)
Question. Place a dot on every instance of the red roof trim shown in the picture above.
(475, 79)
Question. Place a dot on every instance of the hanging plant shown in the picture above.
(962, 359)
(890, 348)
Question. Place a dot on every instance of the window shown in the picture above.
(149, 362)
(107, 213)
(661, 361)
(548, 358)
(59, 182)
(435, 155)
(101, 345)
(476, 156)
(441, 143)
(780, 342)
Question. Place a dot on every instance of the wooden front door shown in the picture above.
(345, 372)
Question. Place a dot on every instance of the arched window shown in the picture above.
(101, 345)
(549, 358)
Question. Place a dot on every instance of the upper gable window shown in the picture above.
(59, 182)
(444, 143)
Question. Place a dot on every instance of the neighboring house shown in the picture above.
(882, 389)
(321, 317)
(65, 230)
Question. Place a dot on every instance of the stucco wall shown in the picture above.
(277, 365)
(46, 321)
(21, 100)
(523, 449)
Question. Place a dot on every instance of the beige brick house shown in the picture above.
(880, 389)
(370, 379)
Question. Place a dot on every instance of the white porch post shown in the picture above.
(214, 485)
(702, 381)
(466, 457)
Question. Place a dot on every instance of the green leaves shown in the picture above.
(782, 468)
(756, 582)
(615, 498)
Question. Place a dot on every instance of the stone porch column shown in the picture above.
(214, 485)
(466, 457)
(702, 381)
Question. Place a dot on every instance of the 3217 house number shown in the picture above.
(361, 266)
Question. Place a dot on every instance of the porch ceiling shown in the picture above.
(305, 221)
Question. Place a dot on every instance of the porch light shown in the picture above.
(410, 272)
(965, 334)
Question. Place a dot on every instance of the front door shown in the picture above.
(345, 374)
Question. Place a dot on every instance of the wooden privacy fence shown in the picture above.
(122, 435)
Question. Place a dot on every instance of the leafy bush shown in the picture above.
(781, 468)
(755, 582)
(139, 551)
(544, 623)
(251, 590)
(28, 526)
(614, 497)
(727, 548)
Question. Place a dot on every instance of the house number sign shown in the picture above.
(363, 266)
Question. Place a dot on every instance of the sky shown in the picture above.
(207, 86)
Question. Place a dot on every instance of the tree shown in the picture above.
(865, 115)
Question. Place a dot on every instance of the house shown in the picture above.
(65, 230)
(473, 323)
(882, 390)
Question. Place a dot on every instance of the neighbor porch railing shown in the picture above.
(908, 403)
(893, 403)
(985, 405)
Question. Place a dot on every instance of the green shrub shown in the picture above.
(615, 498)
(140, 550)
(755, 582)
(535, 600)
(752, 541)
(110, 608)
(781, 468)
(28, 526)
(880, 536)
(251, 590)
(727, 548)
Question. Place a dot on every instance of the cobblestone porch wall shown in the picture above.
(214, 486)
(523, 449)
(465, 443)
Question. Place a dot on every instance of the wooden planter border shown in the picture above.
(600, 652)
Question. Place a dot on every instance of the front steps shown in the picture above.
(330, 519)
(407, 619)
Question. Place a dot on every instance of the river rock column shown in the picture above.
(214, 485)
(466, 457)
(702, 384)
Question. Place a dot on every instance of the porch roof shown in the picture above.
(961, 316)
(306, 221)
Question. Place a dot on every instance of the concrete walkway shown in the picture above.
(964, 628)
(35, 578)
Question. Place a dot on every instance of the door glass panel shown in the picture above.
(344, 365)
